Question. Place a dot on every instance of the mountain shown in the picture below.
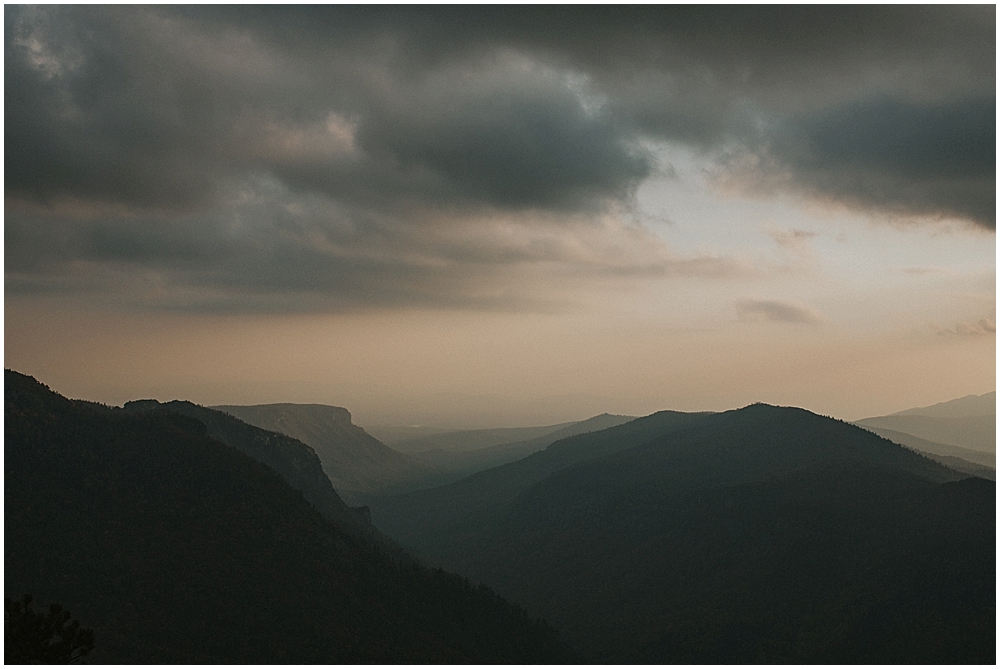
(761, 535)
(977, 433)
(449, 508)
(293, 460)
(965, 460)
(463, 461)
(177, 548)
(354, 461)
(968, 422)
(963, 407)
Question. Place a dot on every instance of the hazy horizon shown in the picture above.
(482, 411)
(468, 217)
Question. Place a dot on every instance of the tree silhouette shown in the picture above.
(36, 637)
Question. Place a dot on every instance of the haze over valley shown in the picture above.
(504, 335)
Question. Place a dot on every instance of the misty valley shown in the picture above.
(285, 533)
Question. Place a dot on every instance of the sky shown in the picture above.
(484, 216)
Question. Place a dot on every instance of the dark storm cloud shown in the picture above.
(754, 44)
(955, 139)
(885, 155)
(136, 106)
(471, 139)
(519, 148)
(88, 114)
(124, 106)
(138, 138)
(674, 71)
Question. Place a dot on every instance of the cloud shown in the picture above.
(445, 155)
(934, 161)
(790, 237)
(269, 248)
(776, 311)
(794, 241)
(152, 110)
(984, 327)
(158, 107)
(924, 270)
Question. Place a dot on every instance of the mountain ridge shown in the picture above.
(977, 433)
(355, 462)
(966, 422)
(177, 548)
(501, 484)
(969, 405)
(471, 460)
(682, 538)
(956, 454)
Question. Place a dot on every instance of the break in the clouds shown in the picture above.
(231, 157)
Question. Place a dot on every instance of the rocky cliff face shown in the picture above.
(356, 462)
(295, 461)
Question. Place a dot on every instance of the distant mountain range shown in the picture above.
(970, 406)
(766, 534)
(978, 463)
(960, 433)
(468, 451)
(183, 536)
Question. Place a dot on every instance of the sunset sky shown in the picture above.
(485, 216)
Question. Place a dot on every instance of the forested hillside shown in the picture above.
(176, 548)
(766, 534)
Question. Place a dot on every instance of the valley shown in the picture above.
(764, 534)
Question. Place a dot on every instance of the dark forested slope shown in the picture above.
(176, 548)
(765, 534)
(976, 463)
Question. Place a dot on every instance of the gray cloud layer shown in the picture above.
(935, 160)
(370, 155)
